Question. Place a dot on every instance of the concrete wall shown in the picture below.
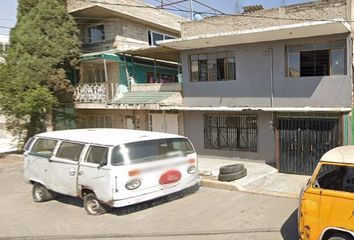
(145, 15)
(325, 9)
(194, 130)
(252, 87)
(118, 117)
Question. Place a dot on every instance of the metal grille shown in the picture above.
(232, 132)
(304, 141)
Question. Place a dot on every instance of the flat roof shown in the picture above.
(133, 10)
(106, 136)
(145, 97)
(344, 154)
(274, 33)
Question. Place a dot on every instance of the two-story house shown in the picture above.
(272, 85)
(117, 85)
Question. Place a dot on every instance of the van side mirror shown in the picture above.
(316, 185)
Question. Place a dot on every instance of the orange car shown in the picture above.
(326, 207)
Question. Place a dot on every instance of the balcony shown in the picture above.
(95, 92)
(99, 46)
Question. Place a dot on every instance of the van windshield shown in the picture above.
(151, 150)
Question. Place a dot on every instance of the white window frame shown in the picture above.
(150, 36)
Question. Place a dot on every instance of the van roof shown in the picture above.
(344, 154)
(106, 136)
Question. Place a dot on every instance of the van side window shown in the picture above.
(28, 144)
(44, 147)
(336, 177)
(97, 155)
(70, 151)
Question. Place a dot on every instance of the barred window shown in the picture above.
(212, 67)
(232, 132)
(98, 121)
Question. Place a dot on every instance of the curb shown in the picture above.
(209, 183)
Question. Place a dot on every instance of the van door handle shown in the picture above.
(72, 173)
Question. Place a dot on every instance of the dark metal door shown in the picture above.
(304, 141)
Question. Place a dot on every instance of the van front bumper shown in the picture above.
(152, 195)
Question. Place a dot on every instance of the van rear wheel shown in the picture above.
(93, 206)
(40, 193)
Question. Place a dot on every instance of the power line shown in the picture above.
(175, 6)
(208, 13)
(5, 27)
(140, 6)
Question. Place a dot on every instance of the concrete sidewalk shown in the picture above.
(261, 178)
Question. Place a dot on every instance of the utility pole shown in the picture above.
(191, 9)
(162, 4)
(237, 7)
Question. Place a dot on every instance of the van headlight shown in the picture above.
(133, 184)
(192, 169)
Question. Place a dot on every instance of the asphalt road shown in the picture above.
(206, 214)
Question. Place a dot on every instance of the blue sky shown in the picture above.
(8, 8)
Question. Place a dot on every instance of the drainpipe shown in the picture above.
(127, 72)
(155, 72)
(133, 67)
(191, 9)
(271, 77)
(164, 121)
(106, 78)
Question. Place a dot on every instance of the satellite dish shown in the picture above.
(197, 17)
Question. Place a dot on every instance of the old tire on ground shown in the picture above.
(231, 168)
(232, 176)
(341, 236)
(93, 206)
(40, 193)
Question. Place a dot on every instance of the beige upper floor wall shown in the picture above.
(135, 10)
(322, 9)
(120, 34)
(125, 27)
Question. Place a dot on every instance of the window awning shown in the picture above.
(282, 32)
(156, 52)
(101, 55)
(147, 100)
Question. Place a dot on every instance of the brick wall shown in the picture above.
(325, 9)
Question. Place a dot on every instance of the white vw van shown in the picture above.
(109, 167)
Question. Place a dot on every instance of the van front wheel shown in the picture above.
(93, 206)
(41, 193)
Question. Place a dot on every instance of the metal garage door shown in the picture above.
(304, 141)
(164, 123)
